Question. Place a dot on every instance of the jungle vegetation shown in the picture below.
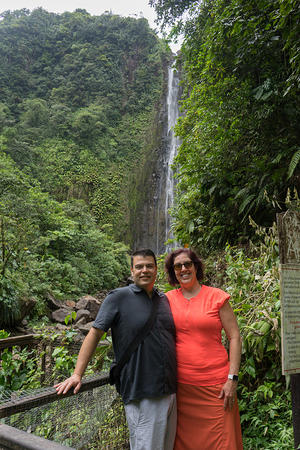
(78, 97)
(240, 125)
(237, 167)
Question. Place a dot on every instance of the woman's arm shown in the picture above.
(232, 331)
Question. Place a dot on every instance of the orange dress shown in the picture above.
(202, 369)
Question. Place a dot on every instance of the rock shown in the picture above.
(27, 305)
(90, 303)
(60, 314)
(70, 303)
(81, 321)
(61, 327)
(21, 330)
(85, 328)
(83, 314)
(78, 338)
(53, 303)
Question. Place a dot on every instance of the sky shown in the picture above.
(95, 7)
(133, 8)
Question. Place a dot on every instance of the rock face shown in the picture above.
(60, 314)
(86, 311)
(149, 215)
(89, 303)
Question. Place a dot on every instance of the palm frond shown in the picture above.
(293, 164)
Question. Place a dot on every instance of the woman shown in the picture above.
(208, 416)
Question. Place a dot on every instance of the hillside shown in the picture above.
(79, 95)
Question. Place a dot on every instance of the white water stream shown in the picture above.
(173, 144)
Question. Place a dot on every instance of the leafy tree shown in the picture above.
(78, 93)
(47, 246)
(240, 138)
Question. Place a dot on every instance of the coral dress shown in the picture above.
(202, 370)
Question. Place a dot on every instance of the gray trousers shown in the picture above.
(152, 423)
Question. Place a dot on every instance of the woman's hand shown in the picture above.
(228, 392)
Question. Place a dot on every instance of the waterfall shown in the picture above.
(174, 142)
(150, 221)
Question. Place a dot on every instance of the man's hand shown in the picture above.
(64, 386)
(86, 352)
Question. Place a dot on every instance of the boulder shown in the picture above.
(61, 327)
(27, 305)
(52, 302)
(70, 304)
(84, 328)
(81, 321)
(90, 303)
(83, 314)
(60, 314)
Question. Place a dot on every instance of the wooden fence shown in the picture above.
(13, 438)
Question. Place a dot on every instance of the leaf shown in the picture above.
(191, 226)
(246, 202)
(293, 164)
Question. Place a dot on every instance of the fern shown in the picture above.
(246, 202)
(293, 164)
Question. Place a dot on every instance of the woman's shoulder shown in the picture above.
(215, 294)
(174, 293)
(214, 290)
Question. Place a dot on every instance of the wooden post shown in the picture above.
(289, 250)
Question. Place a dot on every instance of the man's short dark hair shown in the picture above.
(143, 252)
(170, 262)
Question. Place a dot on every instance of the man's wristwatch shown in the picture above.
(233, 377)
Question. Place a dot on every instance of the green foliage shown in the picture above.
(77, 95)
(47, 246)
(19, 369)
(239, 131)
(252, 279)
(70, 318)
(114, 431)
(266, 417)
(64, 363)
(77, 92)
(4, 334)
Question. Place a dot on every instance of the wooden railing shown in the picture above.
(45, 345)
(12, 438)
(48, 395)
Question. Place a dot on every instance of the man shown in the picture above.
(148, 380)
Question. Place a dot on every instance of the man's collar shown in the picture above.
(136, 288)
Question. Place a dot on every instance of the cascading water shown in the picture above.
(151, 222)
(174, 142)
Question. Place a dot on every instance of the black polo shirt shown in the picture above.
(151, 369)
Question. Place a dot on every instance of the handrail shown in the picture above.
(18, 340)
(48, 395)
(12, 438)
(32, 339)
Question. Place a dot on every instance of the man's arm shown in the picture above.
(85, 354)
